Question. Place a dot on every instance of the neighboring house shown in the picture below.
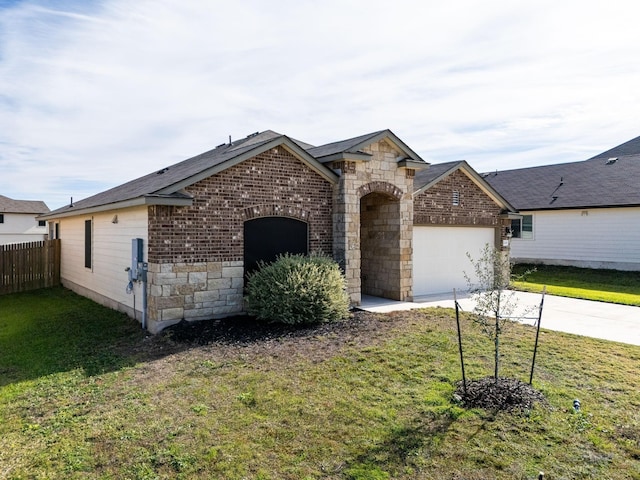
(205, 222)
(18, 222)
(584, 214)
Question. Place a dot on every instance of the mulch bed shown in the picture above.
(248, 336)
(505, 394)
(246, 330)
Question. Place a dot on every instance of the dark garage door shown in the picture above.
(267, 237)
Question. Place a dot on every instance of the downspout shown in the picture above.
(145, 267)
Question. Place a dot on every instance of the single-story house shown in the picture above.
(18, 222)
(398, 227)
(584, 214)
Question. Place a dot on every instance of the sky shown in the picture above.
(94, 93)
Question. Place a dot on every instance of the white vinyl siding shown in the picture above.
(110, 252)
(20, 228)
(596, 238)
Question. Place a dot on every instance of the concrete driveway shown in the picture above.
(618, 323)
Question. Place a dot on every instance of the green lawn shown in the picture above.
(611, 286)
(84, 394)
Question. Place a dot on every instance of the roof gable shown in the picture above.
(165, 185)
(353, 148)
(425, 179)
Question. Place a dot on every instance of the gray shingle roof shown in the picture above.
(9, 205)
(166, 183)
(435, 170)
(596, 182)
(155, 183)
(351, 145)
(632, 147)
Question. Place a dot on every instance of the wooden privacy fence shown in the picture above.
(28, 266)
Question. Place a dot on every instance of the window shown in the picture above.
(1, 217)
(522, 227)
(456, 198)
(42, 223)
(87, 243)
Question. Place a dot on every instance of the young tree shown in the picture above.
(494, 304)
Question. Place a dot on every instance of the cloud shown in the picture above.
(93, 94)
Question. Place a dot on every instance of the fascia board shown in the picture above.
(317, 166)
(511, 215)
(437, 179)
(134, 202)
(485, 187)
(410, 163)
(347, 156)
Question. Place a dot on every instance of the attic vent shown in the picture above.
(164, 170)
(253, 134)
(611, 161)
(456, 198)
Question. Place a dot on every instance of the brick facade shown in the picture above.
(211, 229)
(435, 205)
(475, 208)
(195, 253)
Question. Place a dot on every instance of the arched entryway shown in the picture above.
(380, 253)
(267, 237)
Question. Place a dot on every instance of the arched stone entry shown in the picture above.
(380, 245)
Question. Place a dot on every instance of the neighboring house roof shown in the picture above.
(632, 147)
(427, 178)
(9, 205)
(609, 179)
(165, 186)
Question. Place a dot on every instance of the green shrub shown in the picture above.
(298, 289)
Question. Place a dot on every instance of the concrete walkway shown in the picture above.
(618, 323)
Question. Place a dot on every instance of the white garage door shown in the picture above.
(440, 257)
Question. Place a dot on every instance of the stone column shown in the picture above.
(346, 229)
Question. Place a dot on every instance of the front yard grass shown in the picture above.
(84, 394)
(612, 286)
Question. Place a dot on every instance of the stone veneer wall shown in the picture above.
(380, 245)
(195, 253)
(382, 175)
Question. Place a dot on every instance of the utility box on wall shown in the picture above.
(137, 255)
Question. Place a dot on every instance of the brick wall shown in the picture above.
(435, 206)
(196, 253)
(212, 228)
